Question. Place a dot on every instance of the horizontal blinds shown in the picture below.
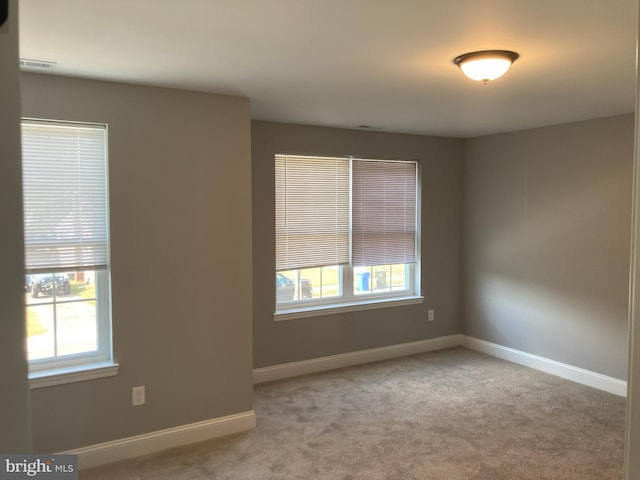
(312, 211)
(384, 212)
(65, 195)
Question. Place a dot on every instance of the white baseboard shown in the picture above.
(563, 370)
(305, 367)
(130, 447)
(569, 372)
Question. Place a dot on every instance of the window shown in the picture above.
(346, 231)
(67, 286)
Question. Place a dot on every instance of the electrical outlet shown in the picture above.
(432, 315)
(137, 396)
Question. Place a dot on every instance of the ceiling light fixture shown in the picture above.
(486, 65)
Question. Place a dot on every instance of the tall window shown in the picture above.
(346, 230)
(67, 287)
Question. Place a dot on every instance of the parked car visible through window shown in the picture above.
(45, 285)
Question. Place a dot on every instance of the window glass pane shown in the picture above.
(361, 280)
(399, 277)
(83, 285)
(44, 285)
(40, 332)
(61, 314)
(286, 286)
(321, 282)
(308, 284)
(331, 285)
(76, 327)
(380, 280)
(305, 281)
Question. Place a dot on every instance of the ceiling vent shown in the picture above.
(37, 64)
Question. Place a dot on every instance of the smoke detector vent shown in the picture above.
(37, 64)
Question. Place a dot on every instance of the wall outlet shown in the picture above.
(137, 396)
(432, 315)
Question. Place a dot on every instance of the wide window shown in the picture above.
(67, 286)
(347, 231)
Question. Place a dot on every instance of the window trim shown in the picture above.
(79, 361)
(348, 301)
(44, 372)
(345, 307)
(77, 373)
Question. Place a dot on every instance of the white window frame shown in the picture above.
(349, 300)
(86, 365)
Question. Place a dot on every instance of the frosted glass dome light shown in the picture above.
(486, 65)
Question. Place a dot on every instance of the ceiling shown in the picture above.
(386, 64)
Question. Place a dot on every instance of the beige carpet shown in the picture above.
(449, 415)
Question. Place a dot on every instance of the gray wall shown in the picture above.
(294, 340)
(14, 400)
(181, 260)
(546, 241)
(632, 444)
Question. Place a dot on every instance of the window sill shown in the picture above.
(321, 310)
(60, 376)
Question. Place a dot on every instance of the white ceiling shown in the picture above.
(346, 63)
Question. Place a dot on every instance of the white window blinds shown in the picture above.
(65, 195)
(312, 211)
(384, 212)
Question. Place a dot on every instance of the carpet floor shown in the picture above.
(448, 415)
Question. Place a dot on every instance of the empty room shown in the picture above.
(288, 239)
